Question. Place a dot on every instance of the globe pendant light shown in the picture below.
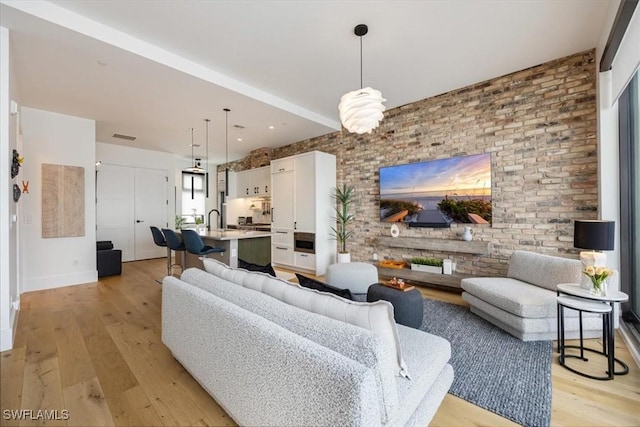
(361, 110)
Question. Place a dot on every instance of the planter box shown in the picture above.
(426, 268)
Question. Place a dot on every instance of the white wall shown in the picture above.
(64, 140)
(9, 277)
(608, 141)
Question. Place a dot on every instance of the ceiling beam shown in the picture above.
(96, 30)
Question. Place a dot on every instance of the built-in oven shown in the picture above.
(304, 242)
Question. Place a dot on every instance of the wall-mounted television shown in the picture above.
(437, 193)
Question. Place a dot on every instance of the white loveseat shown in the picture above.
(269, 362)
(524, 303)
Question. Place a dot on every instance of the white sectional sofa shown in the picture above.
(267, 361)
(524, 303)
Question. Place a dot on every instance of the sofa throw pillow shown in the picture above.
(375, 316)
(255, 267)
(308, 282)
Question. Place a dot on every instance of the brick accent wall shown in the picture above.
(539, 125)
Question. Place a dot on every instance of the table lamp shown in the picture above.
(595, 235)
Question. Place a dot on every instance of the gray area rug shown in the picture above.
(493, 369)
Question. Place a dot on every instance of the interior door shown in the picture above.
(115, 213)
(150, 209)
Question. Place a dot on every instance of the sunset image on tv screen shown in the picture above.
(437, 193)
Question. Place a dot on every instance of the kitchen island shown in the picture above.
(250, 246)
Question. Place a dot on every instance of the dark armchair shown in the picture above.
(109, 260)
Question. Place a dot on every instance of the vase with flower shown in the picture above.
(598, 276)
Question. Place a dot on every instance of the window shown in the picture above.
(629, 122)
(193, 197)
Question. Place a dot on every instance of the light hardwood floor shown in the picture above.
(95, 350)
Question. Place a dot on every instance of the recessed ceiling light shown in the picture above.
(239, 139)
(271, 127)
(104, 64)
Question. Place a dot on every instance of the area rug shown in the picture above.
(493, 369)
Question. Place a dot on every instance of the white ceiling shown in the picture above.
(171, 64)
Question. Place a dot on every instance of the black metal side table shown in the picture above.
(574, 297)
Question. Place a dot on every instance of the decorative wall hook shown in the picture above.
(15, 164)
(16, 193)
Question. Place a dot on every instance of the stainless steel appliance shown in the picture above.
(304, 242)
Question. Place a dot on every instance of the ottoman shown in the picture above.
(407, 306)
(355, 276)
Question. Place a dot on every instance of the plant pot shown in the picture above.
(343, 258)
(426, 268)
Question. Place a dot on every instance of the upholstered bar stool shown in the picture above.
(174, 243)
(194, 244)
(158, 239)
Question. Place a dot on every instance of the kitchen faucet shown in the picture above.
(209, 218)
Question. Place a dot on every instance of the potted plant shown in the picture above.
(179, 220)
(430, 265)
(344, 197)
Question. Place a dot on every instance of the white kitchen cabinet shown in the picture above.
(253, 182)
(282, 208)
(301, 201)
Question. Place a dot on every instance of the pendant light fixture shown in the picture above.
(196, 166)
(361, 110)
(226, 151)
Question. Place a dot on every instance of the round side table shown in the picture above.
(572, 296)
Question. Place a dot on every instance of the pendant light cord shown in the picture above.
(226, 144)
(361, 86)
(226, 134)
(192, 159)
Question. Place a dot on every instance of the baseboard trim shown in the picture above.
(51, 282)
(630, 341)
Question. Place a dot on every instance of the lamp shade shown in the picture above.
(361, 110)
(595, 235)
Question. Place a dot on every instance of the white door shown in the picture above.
(150, 210)
(115, 213)
(124, 196)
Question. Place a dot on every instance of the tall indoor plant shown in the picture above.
(344, 197)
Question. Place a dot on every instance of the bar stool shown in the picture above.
(158, 239)
(174, 243)
(194, 244)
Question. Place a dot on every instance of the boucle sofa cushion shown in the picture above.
(513, 296)
(363, 346)
(427, 356)
(376, 316)
(544, 270)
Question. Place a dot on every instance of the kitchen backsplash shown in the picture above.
(259, 209)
